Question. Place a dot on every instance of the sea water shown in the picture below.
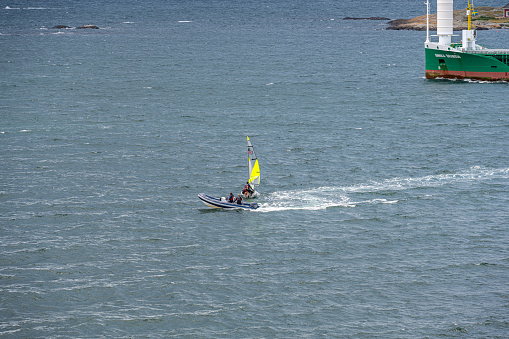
(384, 196)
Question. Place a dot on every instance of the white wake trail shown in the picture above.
(351, 196)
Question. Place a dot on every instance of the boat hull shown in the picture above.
(453, 64)
(217, 203)
(255, 194)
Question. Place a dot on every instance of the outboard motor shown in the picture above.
(254, 205)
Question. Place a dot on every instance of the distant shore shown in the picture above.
(487, 18)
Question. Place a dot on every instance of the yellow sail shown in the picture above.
(252, 161)
(255, 174)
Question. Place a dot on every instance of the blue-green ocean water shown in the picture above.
(384, 196)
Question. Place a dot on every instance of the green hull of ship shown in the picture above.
(461, 65)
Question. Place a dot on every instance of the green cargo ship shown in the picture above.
(465, 60)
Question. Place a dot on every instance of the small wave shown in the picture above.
(381, 201)
(27, 8)
(182, 21)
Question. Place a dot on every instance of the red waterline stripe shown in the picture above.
(492, 76)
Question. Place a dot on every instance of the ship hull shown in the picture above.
(463, 65)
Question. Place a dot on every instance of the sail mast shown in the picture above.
(248, 160)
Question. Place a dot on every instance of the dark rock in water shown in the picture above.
(80, 27)
(87, 26)
(409, 28)
(371, 18)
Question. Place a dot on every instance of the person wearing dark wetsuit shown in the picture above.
(248, 190)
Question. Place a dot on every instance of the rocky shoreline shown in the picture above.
(371, 18)
(487, 18)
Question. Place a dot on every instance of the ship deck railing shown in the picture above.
(489, 51)
(482, 50)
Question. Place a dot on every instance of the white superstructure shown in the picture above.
(468, 35)
(445, 29)
(444, 21)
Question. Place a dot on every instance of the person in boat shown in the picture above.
(239, 200)
(231, 198)
(248, 190)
